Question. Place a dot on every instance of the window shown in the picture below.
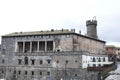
(41, 62)
(94, 65)
(19, 61)
(58, 50)
(48, 73)
(40, 73)
(2, 71)
(75, 61)
(32, 72)
(3, 51)
(25, 72)
(42, 46)
(67, 36)
(26, 60)
(48, 61)
(99, 60)
(27, 47)
(75, 74)
(103, 59)
(3, 61)
(32, 62)
(34, 46)
(93, 59)
(66, 74)
(19, 72)
(66, 61)
(20, 46)
(88, 65)
(99, 65)
(57, 61)
(49, 45)
(14, 71)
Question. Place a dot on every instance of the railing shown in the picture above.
(48, 53)
(100, 68)
(32, 54)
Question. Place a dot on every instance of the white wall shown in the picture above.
(88, 60)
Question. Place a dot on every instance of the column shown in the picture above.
(38, 46)
(45, 46)
(23, 47)
(16, 47)
(30, 46)
(53, 46)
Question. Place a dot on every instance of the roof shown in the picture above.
(63, 31)
(52, 32)
(110, 46)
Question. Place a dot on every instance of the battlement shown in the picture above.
(91, 22)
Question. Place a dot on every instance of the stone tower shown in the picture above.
(91, 28)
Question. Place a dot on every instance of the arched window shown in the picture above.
(26, 60)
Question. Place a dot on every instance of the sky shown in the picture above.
(37, 15)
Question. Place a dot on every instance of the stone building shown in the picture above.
(48, 55)
(113, 50)
(118, 53)
(92, 60)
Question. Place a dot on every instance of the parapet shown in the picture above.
(91, 22)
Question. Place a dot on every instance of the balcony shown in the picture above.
(33, 54)
(100, 68)
(48, 53)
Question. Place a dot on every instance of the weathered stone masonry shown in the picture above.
(47, 55)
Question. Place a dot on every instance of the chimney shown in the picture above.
(73, 30)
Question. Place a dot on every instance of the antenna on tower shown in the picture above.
(94, 18)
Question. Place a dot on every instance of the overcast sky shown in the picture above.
(35, 15)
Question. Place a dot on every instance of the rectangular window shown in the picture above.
(41, 62)
(94, 59)
(2, 71)
(3, 51)
(34, 46)
(27, 47)
(99, 65)
(103, 59)
(20, 47)
(3, 61)
(42, 46)
(48, 73)
(57, 61)
(40, 73)
(19, 72)
(94, 65)
(49, 45)
(66, 61)
(32, 62)
(19, 61)
(26, 60)
(49, 61)
(14, 71)
(32, 72)
(25, 72)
